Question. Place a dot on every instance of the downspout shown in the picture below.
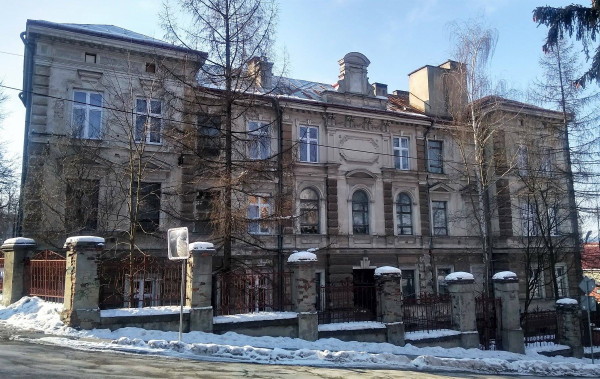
(25, 96)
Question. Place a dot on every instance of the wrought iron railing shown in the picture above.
(45, 276)
(346, 302)
(539, 327)
(427, 312)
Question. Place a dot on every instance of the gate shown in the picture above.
(346, 302)
(489, 311)
(45, 276)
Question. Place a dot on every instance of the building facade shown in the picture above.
(118, 144)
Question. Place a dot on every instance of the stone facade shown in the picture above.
(381, 169)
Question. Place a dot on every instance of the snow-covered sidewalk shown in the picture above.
(33, 313)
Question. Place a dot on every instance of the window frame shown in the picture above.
(306, 144)
(150, 115)
(78, 192)
(442, 283)
(562, 280)
(259, 140)
(399, 212)
(304, 207)
(152, 191)
(398, 153)
(433, 218)
(364, 213)
(263, 207)
(84, 131)
(209, 143)
(437, 168)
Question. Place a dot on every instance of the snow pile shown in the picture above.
(142, 311)
(302, 256)
(387, 270)
(351, 326)
(567, 301)
(33, 313)
(259, 316)
(19, 241)
(201, 246)
(459, 275)
(84, 239)
(505, 275)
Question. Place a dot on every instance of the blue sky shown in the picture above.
(397, 36)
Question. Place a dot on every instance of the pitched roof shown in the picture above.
(590, 259)
(112, 32)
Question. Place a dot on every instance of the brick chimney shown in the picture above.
(261, 71)
(436, 90)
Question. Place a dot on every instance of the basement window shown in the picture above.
(151, 68)
(90, 58)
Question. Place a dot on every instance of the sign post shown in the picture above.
(178, 249)
(587, 285)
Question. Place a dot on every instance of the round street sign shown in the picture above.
(587, 285)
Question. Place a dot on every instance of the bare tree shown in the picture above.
(9, 194)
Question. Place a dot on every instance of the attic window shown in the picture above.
(90, 58)
(151, 68)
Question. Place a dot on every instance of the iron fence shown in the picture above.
(427, 312)
(250, 290)
(137, 280)
(346, 302)
(488, 317)
(45, 276)
(539, 327)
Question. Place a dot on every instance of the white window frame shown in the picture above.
(433, 212)
(259, 140)
(562, 280)
(439, 280)
(85, 132)
(401, 153)
(147, 132)
(398, 221)
(262, 205)
(308, 144)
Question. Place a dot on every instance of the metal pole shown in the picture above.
(183, 264)
(590, 328)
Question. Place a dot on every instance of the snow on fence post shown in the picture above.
(15, 251)
(569, 325)
(304, 293)
(199, 286)
(464, 318)
(389, 304)
(82, 285)
(506, 288)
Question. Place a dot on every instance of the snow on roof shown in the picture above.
(567, 301)
(201, 246)
(302, 256)
(84, 239)
(505, 275)
(459, 275)
(387, 270)
(19, 241)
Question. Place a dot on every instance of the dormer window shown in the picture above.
(90, 58)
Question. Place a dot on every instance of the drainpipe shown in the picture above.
(25, 96)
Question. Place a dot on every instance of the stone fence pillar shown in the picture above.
(199, 286)
(569, 325)
(389, 304)
(462, 295)
(506, 288)
(82, 286)
(15, 251)
(304, 293)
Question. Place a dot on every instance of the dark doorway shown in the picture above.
(364, 290)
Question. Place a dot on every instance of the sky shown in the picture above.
(397, 36)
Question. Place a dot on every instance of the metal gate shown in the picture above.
(489, 322)
(45, 276)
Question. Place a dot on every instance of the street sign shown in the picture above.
(588, 303)
(178, 243)
(587, 285)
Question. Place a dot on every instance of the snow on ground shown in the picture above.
(33, 313)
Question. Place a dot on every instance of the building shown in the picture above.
(118, 145)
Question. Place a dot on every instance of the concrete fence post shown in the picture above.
(15, 251)
(506, 288)
(389, 305)
(199, 286)
(462, 296)
(82, 285)
(569, 325)
(304, 293)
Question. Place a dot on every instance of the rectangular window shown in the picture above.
(204, 209)
(535, 280)
(309, 144)
(547, 161)
(408, 284)
(442, 286)
(82, 204)
(90, 58)
(561, 279)
(259, 208)
(440, 218)
(209, 134)
(87, 114)
(523, 160)
(148, 120)
(401, 153)
(259, 140)
(435, 156)
(529, 221)
(147, 199)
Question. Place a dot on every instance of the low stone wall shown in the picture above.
(359, 335)
(441, 341)
(166, 322)
(287, 327)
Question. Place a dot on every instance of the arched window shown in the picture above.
(360, 212)
(404, 214)
(309, 211)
